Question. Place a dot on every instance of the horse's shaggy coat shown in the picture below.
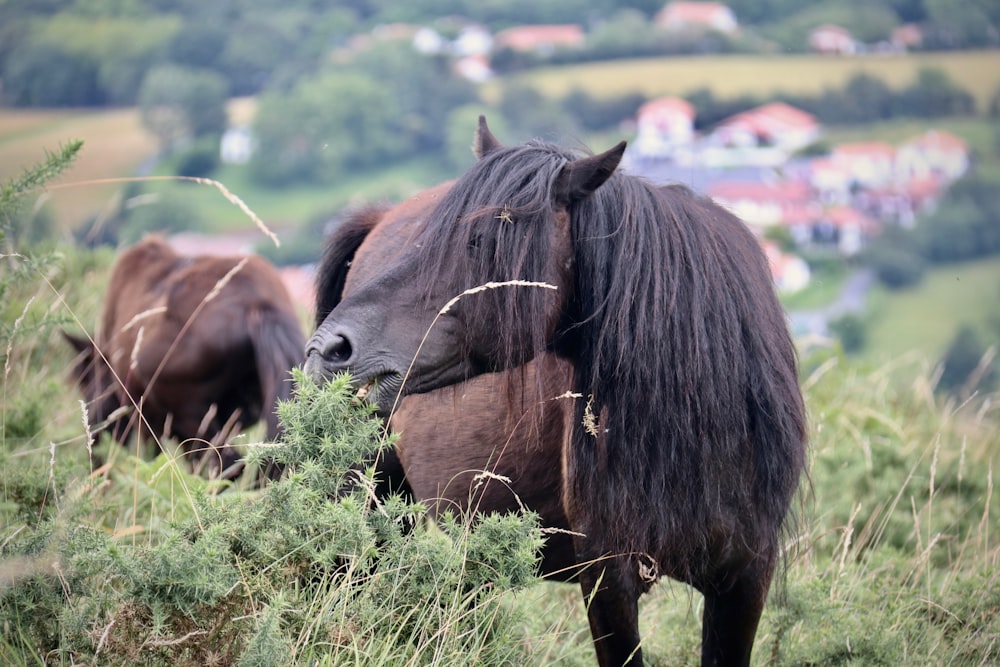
(688, 435)
(190, 347)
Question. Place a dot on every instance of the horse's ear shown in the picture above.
(81, 344)
(340, 248)
(82, 369)
(579, 179)
(484, 142)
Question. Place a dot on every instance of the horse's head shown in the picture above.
(97, 384)
(482, 285)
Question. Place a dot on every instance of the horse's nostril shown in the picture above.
(337, 349)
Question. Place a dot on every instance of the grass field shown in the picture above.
(734, 75)
(115, 144)
(923, 320)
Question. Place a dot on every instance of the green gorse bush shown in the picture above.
(304, 571)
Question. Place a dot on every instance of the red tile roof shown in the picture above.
(765, 118)
(530, 37)
(864, 149)
(784, 192)
(939, 140)
(667, 105)
(691, 12)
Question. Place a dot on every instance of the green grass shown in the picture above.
(735, 75)
(291, 207)
(115, 144)
(923, 320)
(823, 288)
(893, 561)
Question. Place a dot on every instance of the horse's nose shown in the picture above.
(335, 348)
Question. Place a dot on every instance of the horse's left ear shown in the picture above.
(580, 178)
(484, 142)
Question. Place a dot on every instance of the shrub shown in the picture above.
(850, 329)
(896, 268)
(310, 569)
(200, 160)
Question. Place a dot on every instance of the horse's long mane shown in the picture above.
(682, 356)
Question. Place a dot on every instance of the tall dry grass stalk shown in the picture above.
(232, 198)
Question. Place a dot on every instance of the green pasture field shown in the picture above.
(924, 319)
(289, 208)
(115, 144)
(893, 559)
(734, 75)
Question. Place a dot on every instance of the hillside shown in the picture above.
(757, 76)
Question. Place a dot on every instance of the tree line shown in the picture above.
(99, 52)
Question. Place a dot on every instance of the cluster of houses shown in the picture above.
(752, 164)
(472, 45)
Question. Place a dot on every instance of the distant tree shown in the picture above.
(199, 159)
(179, 104)
(956, 25)
(966, 366)
(198, 45)
(600, 113)
(46, 75)
(528, 113)
(122, 45)
(965, 224)
(870, 97)
(254, 48)
(424, 89)
(934, 95)
(851, 331)
(327, 124)
(711, 109)
(896, 268)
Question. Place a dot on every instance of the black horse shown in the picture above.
(688, 434)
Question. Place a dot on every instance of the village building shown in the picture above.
(541, 39)
(934, 153)
(765, 135)
(763, 205)
(688, 16)
(833, 40)
(237, 145)
(663, 127)
(869, 164)
(790, 272)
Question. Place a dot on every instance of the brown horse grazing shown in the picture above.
(688, 440)
(506, 424)
(191, 347)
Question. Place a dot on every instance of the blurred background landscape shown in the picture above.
(859, 139)
(302, 110)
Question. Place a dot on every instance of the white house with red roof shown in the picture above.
(681, 16)
(663, 127)
(790, 272)
(830, 179)
(832, 39)
(543, 39)
(868, 164)
(934, 153)
(763, 205)
(764, 135)
(845, 227)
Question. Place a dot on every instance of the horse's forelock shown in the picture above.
(495, 224)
